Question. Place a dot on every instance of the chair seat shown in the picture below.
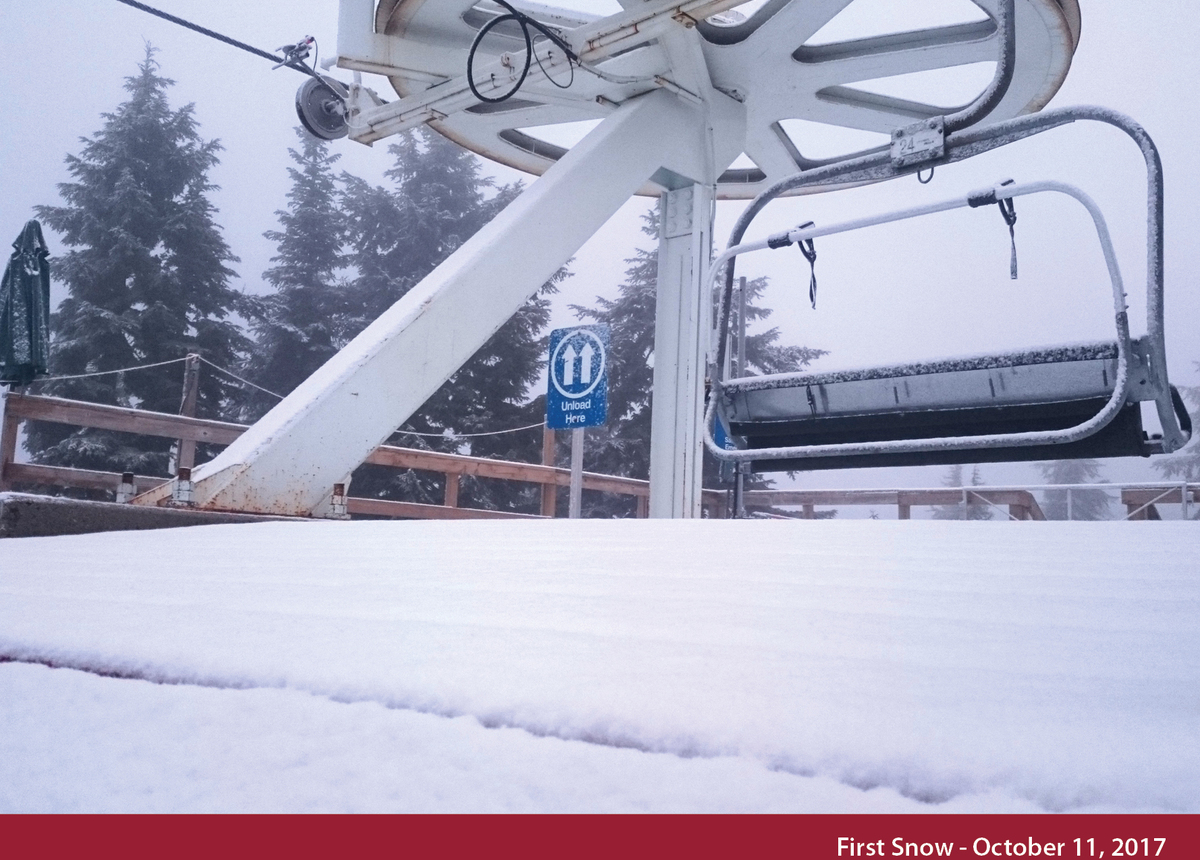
(1039, 390)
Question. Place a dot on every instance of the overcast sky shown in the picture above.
(929, 288)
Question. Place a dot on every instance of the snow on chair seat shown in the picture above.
(1022, 392)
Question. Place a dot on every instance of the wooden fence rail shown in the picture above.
(1020, 503)
(1141, 502)
(29, 407)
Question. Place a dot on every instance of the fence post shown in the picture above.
(127, 489)
(549, 491)
(453, 480)
(8, 445)
(191, 389)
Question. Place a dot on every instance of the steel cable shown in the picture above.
(213, 34)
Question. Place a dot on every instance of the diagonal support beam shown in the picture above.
(290, 460)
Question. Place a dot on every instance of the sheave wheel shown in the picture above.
(322, 109)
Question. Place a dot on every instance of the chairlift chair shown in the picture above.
(1065, 402)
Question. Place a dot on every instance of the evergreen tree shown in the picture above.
(146, 276)
(1084, 504)
(303, 323)
(972, 509)
(623, 446)
(397, 235)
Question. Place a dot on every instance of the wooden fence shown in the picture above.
(452, 467)
(1019, 504)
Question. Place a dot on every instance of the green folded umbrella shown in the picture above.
(25, 309)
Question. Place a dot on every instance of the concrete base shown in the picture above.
(25, 515)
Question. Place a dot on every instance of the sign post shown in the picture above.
(577, 392)
(575, 495)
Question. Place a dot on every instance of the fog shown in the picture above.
(934, 287)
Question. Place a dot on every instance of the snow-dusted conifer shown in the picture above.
(146, 276)
(302, 324)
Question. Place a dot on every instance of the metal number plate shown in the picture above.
(920, 143)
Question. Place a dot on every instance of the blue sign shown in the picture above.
(577, 391)
(721, 435)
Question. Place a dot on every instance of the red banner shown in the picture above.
(1102, 837)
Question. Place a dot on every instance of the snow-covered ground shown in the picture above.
(600, 665)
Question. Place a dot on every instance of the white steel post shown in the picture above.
(681, 334)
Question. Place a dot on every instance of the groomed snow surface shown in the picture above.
(817, 666)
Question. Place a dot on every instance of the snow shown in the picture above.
(604, 666)
(137, 746)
